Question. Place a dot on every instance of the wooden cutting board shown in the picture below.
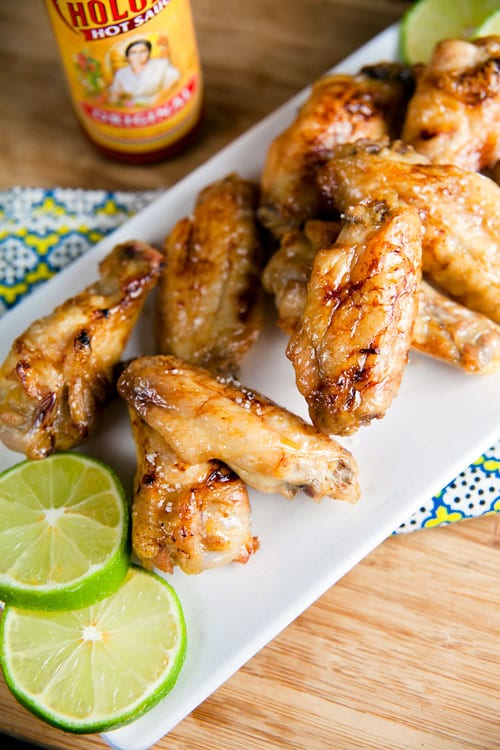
(401, 654)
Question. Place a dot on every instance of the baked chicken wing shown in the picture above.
(196, 516)
(351, 344)
(61, 372)
(454, 114)
(340, 108)
(459, 211)
(451, 332)
(210, 309)
(203, 417)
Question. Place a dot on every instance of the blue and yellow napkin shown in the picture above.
(42, 231)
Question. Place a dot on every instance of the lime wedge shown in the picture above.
(63, 532)
(429, 21)
(99, 667)
(490, 27)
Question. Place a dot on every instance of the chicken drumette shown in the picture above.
(194, 515)
(454, 115)
(60, 373)
(210, 306)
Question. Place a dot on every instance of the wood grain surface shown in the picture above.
(402, 653)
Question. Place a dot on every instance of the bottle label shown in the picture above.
(132, 68)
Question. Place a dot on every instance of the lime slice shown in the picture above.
(429, 21)
(490, 27)
(63, 532)
(99, 667)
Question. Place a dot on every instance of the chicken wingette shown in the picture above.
(351, 344)
(203, 417)
(449, 331)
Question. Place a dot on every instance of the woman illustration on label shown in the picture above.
(144, 78)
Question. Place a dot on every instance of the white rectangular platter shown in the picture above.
(440, 422)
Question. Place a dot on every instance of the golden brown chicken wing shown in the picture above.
(340, 108)
(454, 115)
(60, 373)
(196, 516)
(204, 418)
(459, 211)
(447, 330)
(210, 299)
(351, 345)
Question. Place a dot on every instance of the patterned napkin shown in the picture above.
(41, 231)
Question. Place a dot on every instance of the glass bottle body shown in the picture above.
(133, 73)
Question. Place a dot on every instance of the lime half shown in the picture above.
(429, 21)
(63, 532)
(99, 667)
(491, 27)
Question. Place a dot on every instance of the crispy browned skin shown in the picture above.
(196, 516)
(204, 418)
(458, 208)
(60, 373)
(454, 115)
(340, 108)
(210, 298)
(351, 345)
(455, 334)
(443, 328)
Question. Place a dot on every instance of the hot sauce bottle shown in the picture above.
(133, 72)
